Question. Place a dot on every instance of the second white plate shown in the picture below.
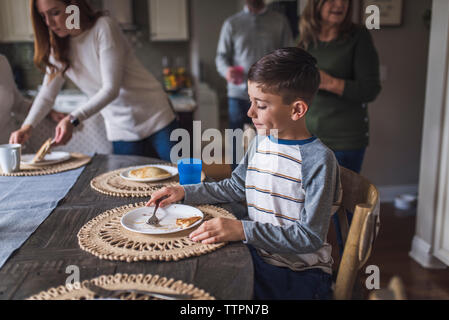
(51, 158)
(136, 220)
(172, 170)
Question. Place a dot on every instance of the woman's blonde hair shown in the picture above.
(47, 43)
(310, 23)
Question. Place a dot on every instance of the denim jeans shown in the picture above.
(278, 283)
(351, 159)
(157, 145)
(238, 116)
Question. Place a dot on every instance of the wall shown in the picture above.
(393, 158)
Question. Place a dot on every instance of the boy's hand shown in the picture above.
(174, 194)
(219, 230)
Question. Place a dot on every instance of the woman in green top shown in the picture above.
(349, 68)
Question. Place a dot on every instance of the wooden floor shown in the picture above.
(391, 250)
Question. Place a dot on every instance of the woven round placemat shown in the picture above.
(112, 184)
(105, 237)
(155, 283)
(76, 161)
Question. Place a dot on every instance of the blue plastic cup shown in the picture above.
(190, 171)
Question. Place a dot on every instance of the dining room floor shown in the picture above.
(391, 251)
(391, 255)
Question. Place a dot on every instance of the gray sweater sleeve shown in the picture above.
(287, 36)
(321, 185)
(229, 190)
(223, 59)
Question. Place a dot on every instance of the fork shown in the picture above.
(154, 221)
(107, 293)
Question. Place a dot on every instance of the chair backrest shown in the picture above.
(361, 198)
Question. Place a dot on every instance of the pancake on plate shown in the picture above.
(149, 173)
(43, 151)
(187, 222)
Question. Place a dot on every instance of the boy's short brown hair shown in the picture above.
(291, 73)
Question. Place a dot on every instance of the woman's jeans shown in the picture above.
(238, 116)
(351, 159)
(157, 145)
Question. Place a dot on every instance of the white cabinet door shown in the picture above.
(15, 21)
(168, 20)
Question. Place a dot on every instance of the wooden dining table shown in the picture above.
(45, 260)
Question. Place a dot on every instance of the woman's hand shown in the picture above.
(331, 84)
(21, 136)
(173, 194)
(63, 132)
(219, 230)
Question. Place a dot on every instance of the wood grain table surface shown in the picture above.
(41, 263)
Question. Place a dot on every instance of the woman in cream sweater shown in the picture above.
(97, 58)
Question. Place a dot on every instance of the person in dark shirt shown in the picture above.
(349, 70)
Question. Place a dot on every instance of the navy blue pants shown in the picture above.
(351, 159)
(277, 283)
(157, 145)
(238, 116)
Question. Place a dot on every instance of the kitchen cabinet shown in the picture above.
(15, 21)
(168, 20)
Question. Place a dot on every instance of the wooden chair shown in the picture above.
(362, 198)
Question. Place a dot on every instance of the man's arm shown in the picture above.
(287, 35)
(224, 56)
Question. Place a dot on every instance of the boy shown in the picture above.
(290, 183)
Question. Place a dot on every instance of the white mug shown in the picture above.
(10, 157)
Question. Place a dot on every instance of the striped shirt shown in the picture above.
(292, 188)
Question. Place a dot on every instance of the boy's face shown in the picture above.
(268, 111)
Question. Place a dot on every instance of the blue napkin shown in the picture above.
(25, 202)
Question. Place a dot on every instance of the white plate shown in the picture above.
(172, 170)
(51, 158)
(136, 220)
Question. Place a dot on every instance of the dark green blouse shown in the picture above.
(342, 123)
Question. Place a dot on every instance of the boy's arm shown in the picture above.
(321, 184)
(229, 190)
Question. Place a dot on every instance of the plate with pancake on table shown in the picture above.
(44, 156)
(149, 173)
(173, 218)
